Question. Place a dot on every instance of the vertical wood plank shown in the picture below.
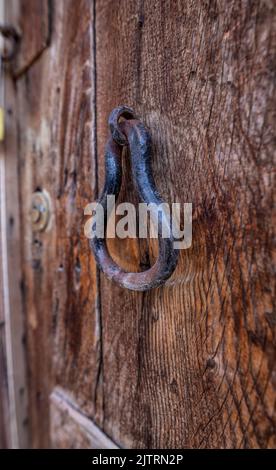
(192, 364)
(13, 367)
(55, 99)
(4, 395)
(4, 400)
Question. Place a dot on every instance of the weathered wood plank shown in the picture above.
(4, 422)
(55, 99)
(4, 395)
(71, 429)
(13, 386)
(32, 21)
(193, 364)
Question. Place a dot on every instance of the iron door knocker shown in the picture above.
(132, 133)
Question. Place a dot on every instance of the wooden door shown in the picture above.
(192, 363)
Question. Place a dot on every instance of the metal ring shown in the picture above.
(133, 133)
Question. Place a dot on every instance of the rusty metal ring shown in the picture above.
(133, 133)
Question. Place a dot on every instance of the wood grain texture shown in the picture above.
(4, 395)
(70, 428)
(13, 353)
(56, 153)
(13, 393)
(193, 364)
(32, 21)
